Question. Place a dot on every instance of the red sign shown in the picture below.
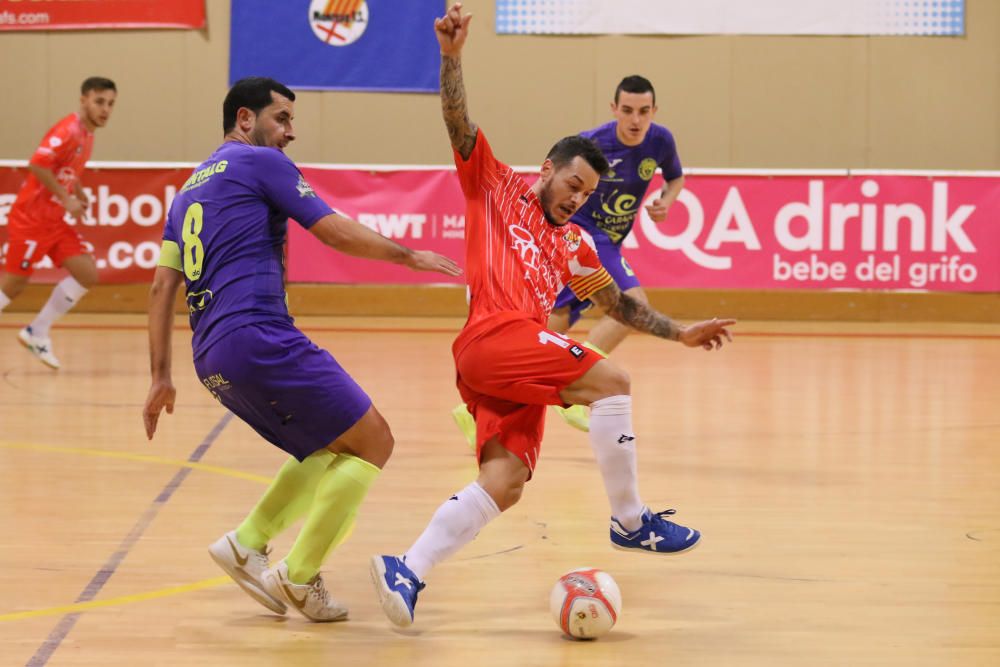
(124, 224)
(90, 14)
(853, 232)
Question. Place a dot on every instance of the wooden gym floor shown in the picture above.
(846, 478)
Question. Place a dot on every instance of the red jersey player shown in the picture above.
(36, 225)
(521, 250)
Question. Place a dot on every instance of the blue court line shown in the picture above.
(65, 625)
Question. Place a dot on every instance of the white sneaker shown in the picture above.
(38, 346)
(246, 567)
(312, 600)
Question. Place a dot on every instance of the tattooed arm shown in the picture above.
(635, 314)
(461, 130)
(451, 31)
(641, 317)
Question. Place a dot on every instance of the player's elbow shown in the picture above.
(164, 285)
(334, 231)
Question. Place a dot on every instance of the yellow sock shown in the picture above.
(465, 422)
(331, 517)
(286, 500)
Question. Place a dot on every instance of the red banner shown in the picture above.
(123, 226)
(726, 231)
(91, 14)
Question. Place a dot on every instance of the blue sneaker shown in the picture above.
(655, 535)
(397, 588)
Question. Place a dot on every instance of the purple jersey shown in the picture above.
(229, 222)
(611, 210)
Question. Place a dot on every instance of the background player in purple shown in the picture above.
(224, 238)
(634, 146)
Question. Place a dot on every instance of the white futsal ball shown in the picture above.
(585, 603)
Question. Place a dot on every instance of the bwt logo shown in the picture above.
(395, 226)
(338, 22)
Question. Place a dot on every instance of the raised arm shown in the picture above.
(451, 31)
(641, 317)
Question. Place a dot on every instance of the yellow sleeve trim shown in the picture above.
(170, 256)
(585, 286)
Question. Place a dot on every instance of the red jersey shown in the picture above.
(64, 150)
(515, 260)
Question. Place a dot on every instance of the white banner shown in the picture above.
(747, 17)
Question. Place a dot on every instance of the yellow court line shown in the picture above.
(141, 458)
(124, 599)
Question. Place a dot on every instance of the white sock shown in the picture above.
(64, 296)
(613, 442)
(454, 524)
(4, 301)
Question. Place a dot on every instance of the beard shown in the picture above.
(258, 138)
(545, 199)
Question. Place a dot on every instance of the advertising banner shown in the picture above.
(728, 230)
(101, 14)
(737, 17)
(123, 226)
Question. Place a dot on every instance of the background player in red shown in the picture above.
(521, 250)
(36, 225)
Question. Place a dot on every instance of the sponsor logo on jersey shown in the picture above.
(524, 244)
(572, 239)
(305, 190)
(647, 168)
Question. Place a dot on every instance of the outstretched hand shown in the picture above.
(425, 260)
(161, 395)
(707, 334)
(452, 29)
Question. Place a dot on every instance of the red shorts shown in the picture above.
(28, 243)
(509, 369)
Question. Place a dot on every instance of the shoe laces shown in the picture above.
(319, 592)
(661, 516)
(408, 584)
(260, 558)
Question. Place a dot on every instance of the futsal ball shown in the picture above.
(585, 603)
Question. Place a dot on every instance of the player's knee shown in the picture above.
(616, 382)
(384, 444)
(371, 439)
(87, 278)
(507, 496)
(13, 285)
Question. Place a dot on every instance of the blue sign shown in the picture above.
(371, 45)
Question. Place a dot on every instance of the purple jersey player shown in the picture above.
(224, 239)
(635, 147)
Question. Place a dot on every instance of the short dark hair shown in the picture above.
(97, 83)
(252, 92)
(567, 148)
(635, 84)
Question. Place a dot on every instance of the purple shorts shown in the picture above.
(294, 394)
(611, 257)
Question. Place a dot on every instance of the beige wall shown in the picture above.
(880, 102)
